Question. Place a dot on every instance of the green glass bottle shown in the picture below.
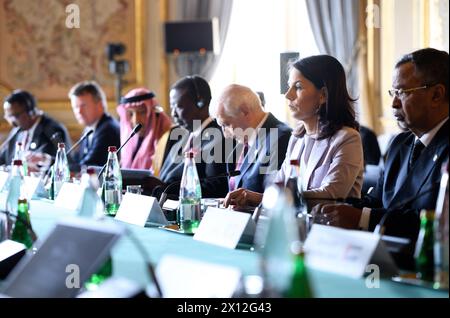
(424, 253)
(299, 286)
(21, 232)
(100, 276)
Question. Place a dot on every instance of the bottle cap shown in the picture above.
(427, 214)
(189, 154)
(17, 162)
(112, 149)
(61, 145)
(19, 143)
(294, 162)
(90, 170)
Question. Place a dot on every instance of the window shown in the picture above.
(259, 31)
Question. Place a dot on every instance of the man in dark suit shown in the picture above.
(412, 174)
(189, 102)
(262, 139)
(38, 133)
(89, 107)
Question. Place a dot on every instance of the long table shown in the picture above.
(128, 262)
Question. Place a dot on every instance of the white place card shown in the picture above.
(346, 252)
(225, 227)
(69, 196)
(3, 178)
(33, 186)
(139, 209)
(171, 204)
(187, 278)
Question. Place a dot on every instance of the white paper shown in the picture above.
(186, 278)
(69, 197)
(171, 204)
(335, 250)
(139, 209)
(222, 227)
(32, 184)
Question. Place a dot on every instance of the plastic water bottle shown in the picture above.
(189, 213)
(91, 206)
(19, 154)
(61, 171)
(112, 183)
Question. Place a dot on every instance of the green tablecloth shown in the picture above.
(127, 262)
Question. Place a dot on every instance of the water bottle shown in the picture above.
(189, 213)
(112, 183)
(16, 188)
(61, 172)
(282, 255)
(294, 184)
(91, 206)
(19, 154)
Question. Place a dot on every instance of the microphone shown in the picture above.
(133, 132)
(87, 134)
(163, 197)
(6, 142)
(379, 226)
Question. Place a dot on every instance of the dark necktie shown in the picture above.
(232, 181)
(416, 151)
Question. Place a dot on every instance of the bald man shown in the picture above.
(262, 139)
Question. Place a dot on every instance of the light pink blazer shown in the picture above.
(334, 169)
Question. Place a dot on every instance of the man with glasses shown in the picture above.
(413, 168)
(37, 132)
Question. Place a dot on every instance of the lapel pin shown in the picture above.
(33, 146)
(435, 158)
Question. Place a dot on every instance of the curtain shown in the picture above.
(188, 10)
(335, 25)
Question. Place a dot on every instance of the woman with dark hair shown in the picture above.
(326, 141)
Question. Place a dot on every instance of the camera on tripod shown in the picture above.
(117, 67)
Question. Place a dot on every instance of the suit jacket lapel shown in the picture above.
(415, 179)
(317, 152)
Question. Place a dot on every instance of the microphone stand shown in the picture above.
(47, 174)
(135, 130)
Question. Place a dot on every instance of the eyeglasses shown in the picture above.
(401, 93)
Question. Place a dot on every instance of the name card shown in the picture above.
(33, 187)
(171, 204)
(3, 178)
(139, 209)
(225, 227)
(346, 252)
(69, 196)
(186, 278)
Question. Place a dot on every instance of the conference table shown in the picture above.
(128, 262)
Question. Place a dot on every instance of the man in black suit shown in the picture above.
(89, 107)
(38, 133)
(189, 102)
(415, 158)
(262, 139)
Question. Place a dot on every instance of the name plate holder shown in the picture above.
(69, 196)
(347, 252)
(140, 210)
(226, 228)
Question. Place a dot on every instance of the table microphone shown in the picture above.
(87, 134)
(133, 132)
(163, 197)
